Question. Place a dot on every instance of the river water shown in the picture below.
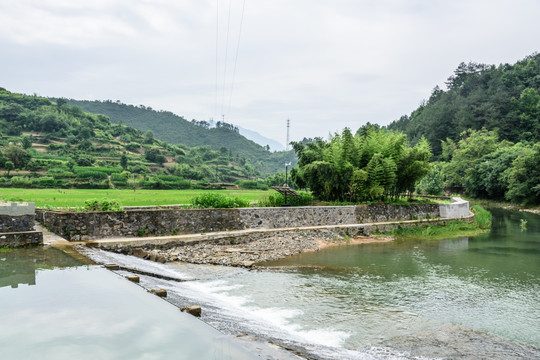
(379, 301)
(476, 297)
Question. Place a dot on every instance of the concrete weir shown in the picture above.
(173, 227)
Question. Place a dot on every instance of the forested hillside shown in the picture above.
(175, 129)
(485, 132)
(47, 144)
(504, 97)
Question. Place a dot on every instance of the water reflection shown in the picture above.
(19, 266)
(87, 312)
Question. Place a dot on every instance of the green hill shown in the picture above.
(48, 144)
(175, 129)
(504, 97)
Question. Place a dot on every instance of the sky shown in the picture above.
(323, 64)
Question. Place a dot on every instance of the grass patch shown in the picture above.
(455, 228)
(65, 198)
(5, 250)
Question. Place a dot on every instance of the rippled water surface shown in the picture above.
(356, 302)
(350, 302)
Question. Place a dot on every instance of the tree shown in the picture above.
(524, 178)
(148, 137)
(26, 142)
(9, 166)
(374, 164)
(123, 161)
(18, 156)
(155, 156)
(473, 145)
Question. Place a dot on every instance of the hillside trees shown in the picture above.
(504, 98)
(371, 166)
(483, 166)
(59, 145)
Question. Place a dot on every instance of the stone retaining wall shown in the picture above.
(79, 226)
(10, 223)
(21, 239)
(17, 225)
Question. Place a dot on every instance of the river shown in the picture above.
(375, 300)
(475, 297)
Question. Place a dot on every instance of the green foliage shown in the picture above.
(524, 177)
(482, 217)
(504, 97)
(277, 200)
(485, 167)
(251, 185)
(456, 228)
(90, 174)
(101, 205)
(371, 166)
(433, 182)
(216, 200)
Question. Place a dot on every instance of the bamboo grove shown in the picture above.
(374, 164)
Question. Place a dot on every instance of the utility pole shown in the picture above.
(288, 139)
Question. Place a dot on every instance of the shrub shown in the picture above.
(101, 205)
(215, 200)
(251, 185)
(118, 177)
(21, 181)
(276, 200)
(482, 217)
(90, 174)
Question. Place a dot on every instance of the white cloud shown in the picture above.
(325, 65)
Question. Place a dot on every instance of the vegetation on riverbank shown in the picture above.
(456, 228)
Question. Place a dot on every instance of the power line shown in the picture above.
(217, 58)
(226, 56)
(227, 85)
(236, 55)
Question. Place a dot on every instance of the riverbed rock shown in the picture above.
(158, 292)
(140, 253)
(193, 310)
(133, 278)
(451, 341)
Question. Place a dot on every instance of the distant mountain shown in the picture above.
(49, 144)
(175, 129)
(261, 140)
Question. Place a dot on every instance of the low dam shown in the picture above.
(167, 221)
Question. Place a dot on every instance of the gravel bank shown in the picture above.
(245, 251)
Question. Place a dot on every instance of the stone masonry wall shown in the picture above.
(17, 225)
(82, 226)
(20, 223)
(79, 226)
(20, 239)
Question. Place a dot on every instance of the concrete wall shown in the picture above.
(17, 225)
(16, 209)
(459, 208)
(79, 226)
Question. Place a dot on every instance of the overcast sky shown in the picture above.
(324, 64)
